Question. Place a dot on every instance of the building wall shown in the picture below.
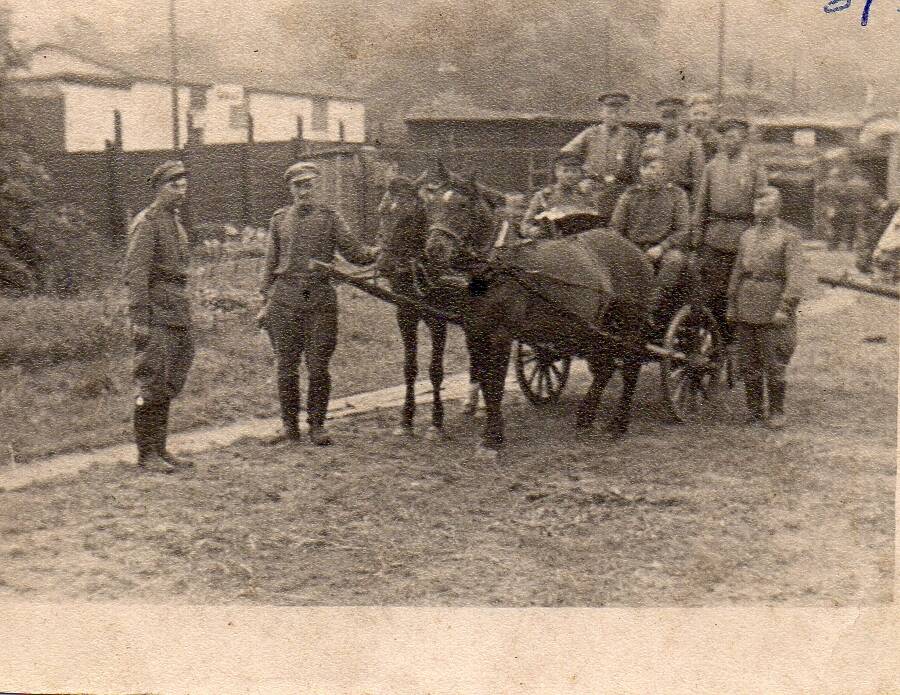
(147, 117)
(353, 115)
(275, 116)
(89, 115)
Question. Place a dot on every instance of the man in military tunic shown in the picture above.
(654, 216)
(701, 123)
(763, 293)
(682, 153)
(723, 210)
(611, 152)
(569, 192)
(300, 311)
(156, 266)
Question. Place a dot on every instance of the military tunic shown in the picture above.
(709, 141)
(580, 197)
(683, 157)
(767, 277)
(611, 158)
(156, 272)
(301, 304)
(652, 215)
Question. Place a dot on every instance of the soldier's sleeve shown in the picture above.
(531, 228)
(138, 261)
(618, 221)
(681, 223)
(794, 273)
(578, 144)
(701, 203)
(351, 248)
(272, 257)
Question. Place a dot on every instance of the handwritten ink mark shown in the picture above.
(837, 6)
(865, 14)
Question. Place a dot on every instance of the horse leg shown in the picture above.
(438, 330)
(602, 367)
(493, 383)
(631, 369)
(408, 322)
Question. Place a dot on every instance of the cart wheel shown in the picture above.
(690, 385)
(542, 376)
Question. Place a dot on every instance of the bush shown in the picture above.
(37, 332)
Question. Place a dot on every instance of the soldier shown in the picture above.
(611, 152)
(723, 210)
(654, 215)
(682, 152)
(702, 123)
(569, 191)
(300, 311)
(156, 265)
(763, 294)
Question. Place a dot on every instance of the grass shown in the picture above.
(711, 514)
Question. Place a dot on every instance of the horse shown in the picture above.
(403, 228)
(507, 300)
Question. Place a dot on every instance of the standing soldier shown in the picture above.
(156, 265)
(765, 288)
(723, 210)
(300, 312)
(569, 191)
(702, 123)
(682, 153)
(611, 152)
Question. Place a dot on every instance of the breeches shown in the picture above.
(715, 271)
(766, 349)
(668, 268)
(162, 365)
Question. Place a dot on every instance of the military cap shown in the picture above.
(573, 158)
(650, 154)
(302, 171)
(614, 98)
(729, 123)
(167, 171)
(768, 192)
(670, 102)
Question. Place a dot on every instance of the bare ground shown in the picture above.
(717, 513)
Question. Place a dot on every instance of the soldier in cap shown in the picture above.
(300, 310)
(701, 123)
(763, 293)
(570, 191)
(156, 271)
(723, 210)
(654, 215)
(682, 152)
(611, 152)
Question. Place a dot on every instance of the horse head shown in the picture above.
(401, 219)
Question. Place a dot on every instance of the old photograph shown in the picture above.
(449, 304)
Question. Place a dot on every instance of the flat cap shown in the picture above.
(670, 102)
(302, 171)
(729, 123)
(614, 98)
(167, 171)
(768, 192)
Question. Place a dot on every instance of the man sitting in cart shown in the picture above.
(654, 215)
(571, 193)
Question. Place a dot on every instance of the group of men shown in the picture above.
(687, 189)
(692, 188)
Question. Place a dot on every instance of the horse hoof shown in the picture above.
(404, 431)
(435, 434)
(486, 455)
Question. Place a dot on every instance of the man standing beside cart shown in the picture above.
(300, 312)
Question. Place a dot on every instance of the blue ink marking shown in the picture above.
(837, 5)
(865, 14)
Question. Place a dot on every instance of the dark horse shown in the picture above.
(403, 233)
(506, 302)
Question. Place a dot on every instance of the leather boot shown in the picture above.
(289, 402)
(317, 405)
(753, 389)
(162, 436)
(776, 419)
(146, 419)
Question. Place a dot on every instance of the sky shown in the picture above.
(780, 33)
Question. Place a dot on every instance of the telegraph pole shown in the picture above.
(721, 60)
(173, 73)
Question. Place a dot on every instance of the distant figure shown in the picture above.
(682, 153)
(156, 271)
(701, 123)
(611, 152)
(763, 294)
(569, 191)
(300, 312)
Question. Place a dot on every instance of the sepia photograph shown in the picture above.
(447, 305)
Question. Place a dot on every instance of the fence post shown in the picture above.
(341, 131)
(245, 173)
(113, 151)
(299, 145)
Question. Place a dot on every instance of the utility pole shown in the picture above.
(173, 73)
(721, 60)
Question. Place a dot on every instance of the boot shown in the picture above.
(289, 401)
(319, 436)
(317, 405)
(753, 389)
(162, 436)
(145, 437)
(776, 419)
(290, 433)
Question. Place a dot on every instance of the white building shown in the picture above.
(91, 92)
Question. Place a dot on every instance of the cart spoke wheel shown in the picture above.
(690, 386)
(542, 375)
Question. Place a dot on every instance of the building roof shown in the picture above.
(476, 114)
(102, 72)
